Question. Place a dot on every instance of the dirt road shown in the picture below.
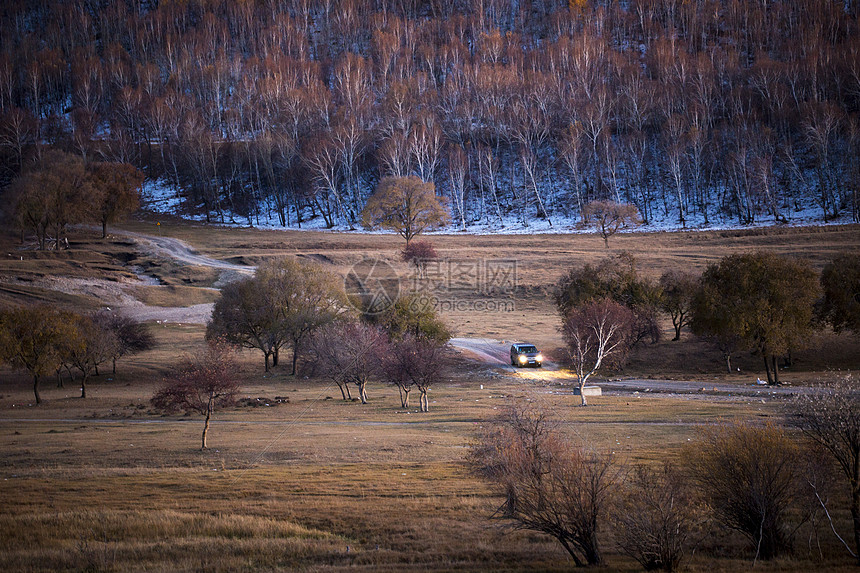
(496, 353)
(182, 252)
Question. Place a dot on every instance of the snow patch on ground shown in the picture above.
(159, 196)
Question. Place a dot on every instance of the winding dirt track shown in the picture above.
(182, 252)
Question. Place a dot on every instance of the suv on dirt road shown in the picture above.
(525, 354)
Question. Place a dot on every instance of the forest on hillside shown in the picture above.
(696, 110)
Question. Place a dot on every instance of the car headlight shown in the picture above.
(539, 357)
(523, 359)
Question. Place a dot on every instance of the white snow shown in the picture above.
(160, 197)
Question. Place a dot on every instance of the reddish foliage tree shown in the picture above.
(417, 361)
(201, 384)
(419, 253)
(348, 353)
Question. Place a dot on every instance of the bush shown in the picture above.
(550, 484)
(655, 517)
(750, 480)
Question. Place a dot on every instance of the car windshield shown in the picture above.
(527, 349)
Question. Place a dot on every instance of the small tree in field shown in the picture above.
(348, 353)
(116, 191)
(679, 288)
(595, 332)
(762, 301)
(750, 479)
(418, 254)
(245, 316)
(407, 205)
(90, 346)
(830, 417)
(201, 384)
(609, 217)
(411, 313)
(550, 484)
(132, 336)
(615, 277)
(414, 360)
(281, 305)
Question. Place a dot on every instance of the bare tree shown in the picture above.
(415, 360)
(830, 417)
(348, 353)
(132, 336)
(594, 332)
(89, 346)
(573, 154)
(550, 485)
(201, 384)
(458, 169)
(608, 217)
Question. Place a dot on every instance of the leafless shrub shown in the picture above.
(654, 520)
(550, 484)
(830, 417)
(750, 479)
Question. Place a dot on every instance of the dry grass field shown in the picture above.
(296, 479)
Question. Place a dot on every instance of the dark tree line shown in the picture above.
(45, 340)
(763, 303)
(705, 109)
(62, 189)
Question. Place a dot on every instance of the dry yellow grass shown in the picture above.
(106, 484)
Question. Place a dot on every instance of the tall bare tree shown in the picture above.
(830, 417)
(594, 333)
